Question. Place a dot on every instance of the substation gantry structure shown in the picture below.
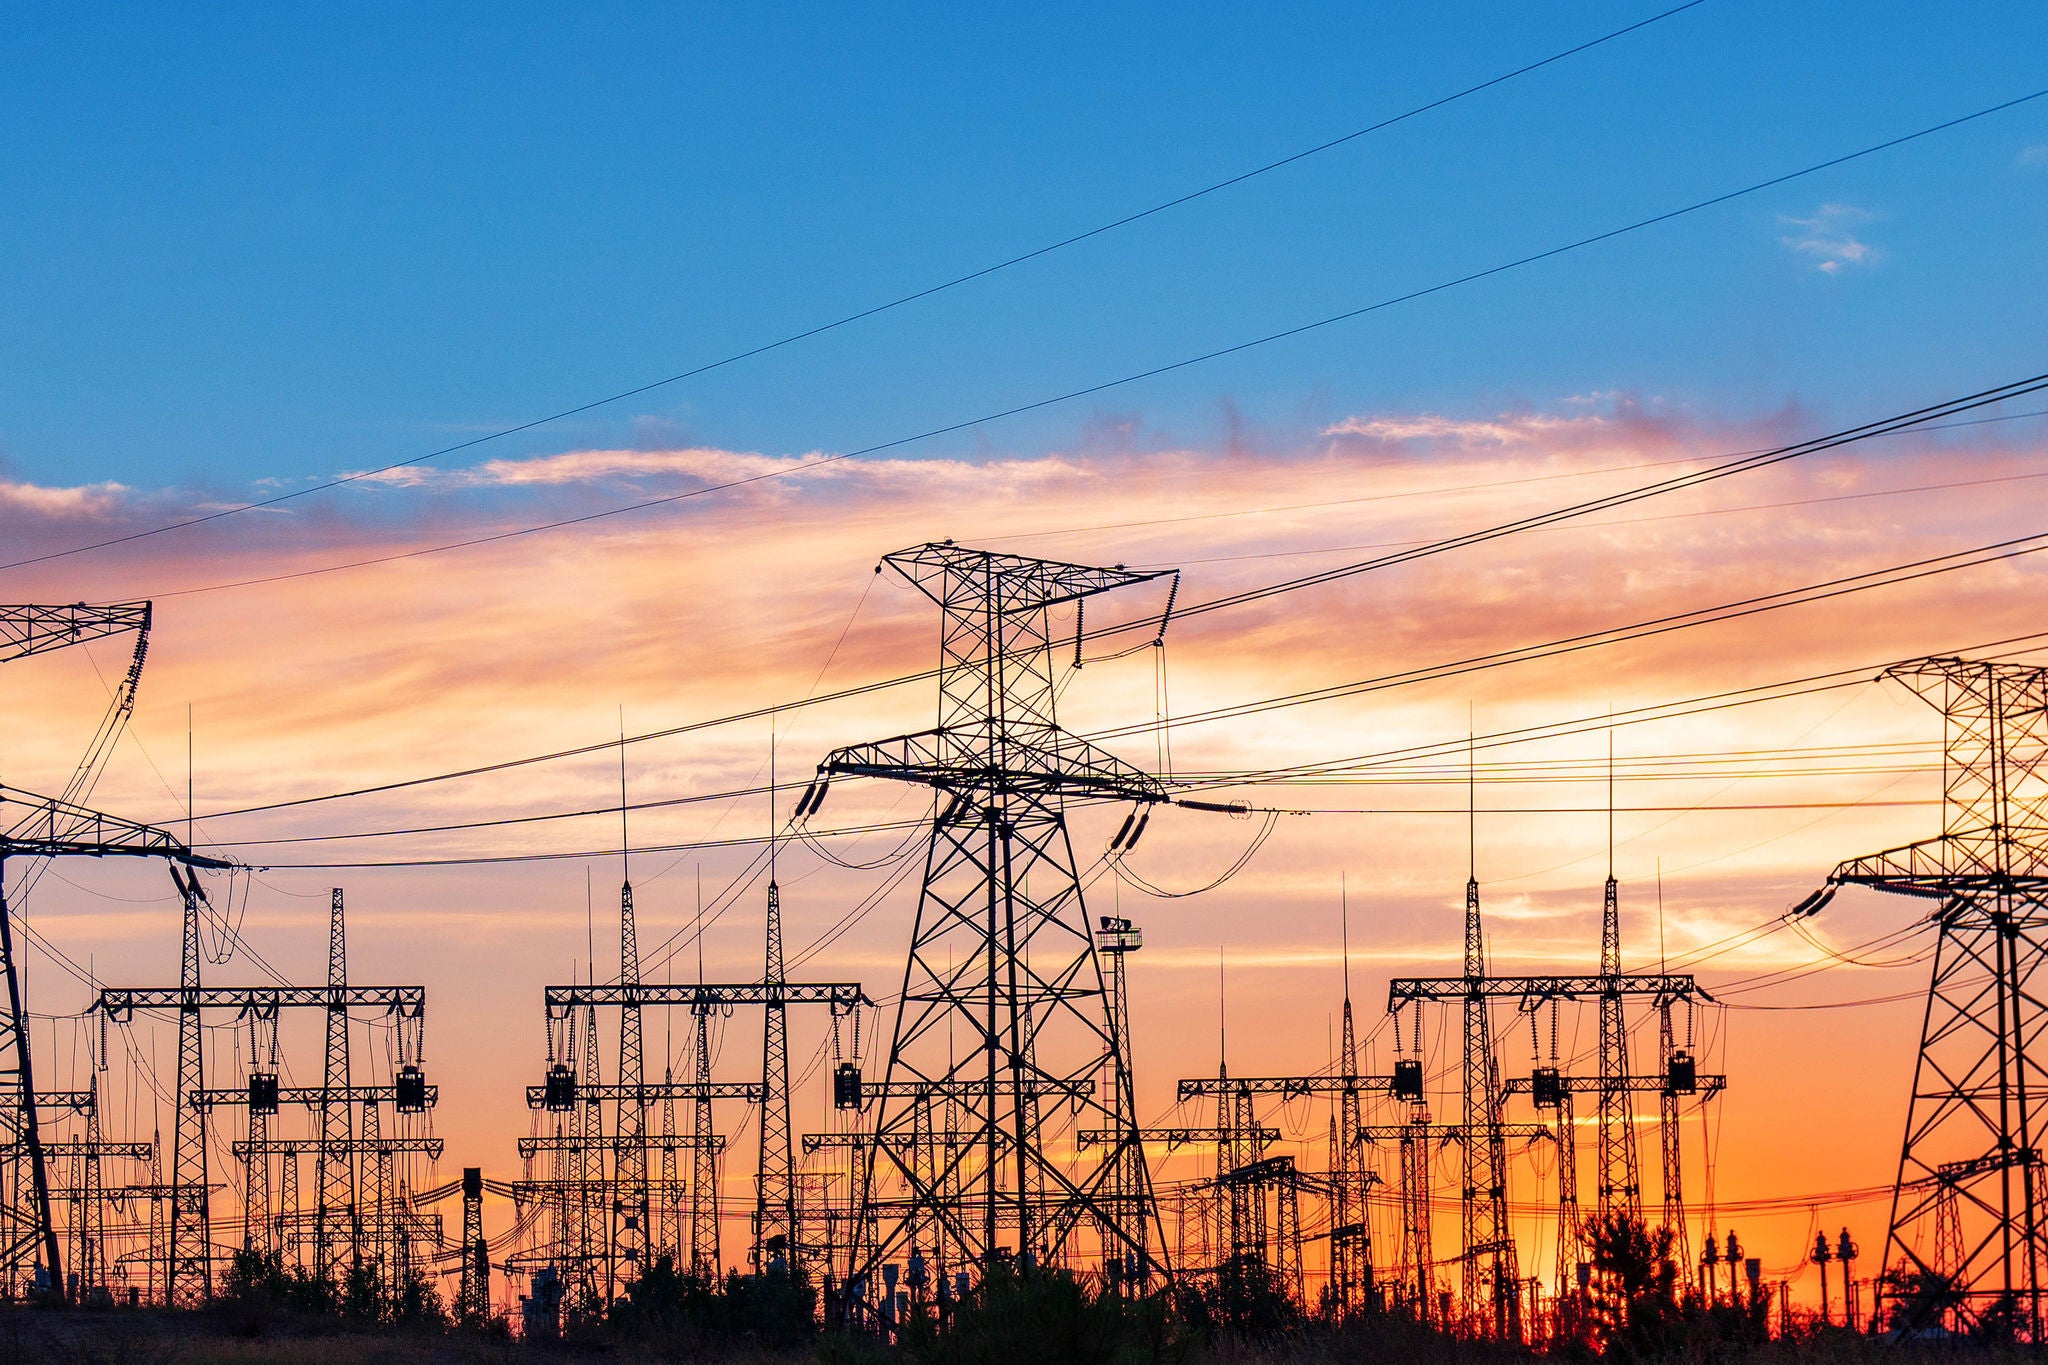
(359, 1215)
(1490, 1272)
(1241, 1225)
(1417, 1140)
(611, 1224)
(1001, 957)
(1967, 1244)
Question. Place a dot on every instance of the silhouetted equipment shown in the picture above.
(558, 1092)
(846, 1086)
(409, 1090)
(1408, 1079)
(999, 876)
(1546, 1087)
(263, 1092)
(1970, 1180)
(1681, 1075)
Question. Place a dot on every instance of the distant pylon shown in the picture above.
(630, 1210)
(334, 1214)
(1491, 1275)
(1621, 1181)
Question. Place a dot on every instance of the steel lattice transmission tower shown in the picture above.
(1621, 1177)
(1980, 1090)
(1492, 1277)
(1001, 957)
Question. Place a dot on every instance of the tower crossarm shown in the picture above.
(542, 1146)
(310, 1096)
(1170, 1137)
(1272, 1170)
(843, 996)
(947, 573)
(51, 827)
(1964, 863)
(1956, 1172)
(1207, 1087)
(1452, 1132)
(77, 1101)
(1036, 758)
(1407, 990)
(125, 1151)
(430, 1147)
(263, 1002)
(650, 1091)
(830, 1142)
(1591, 1085)
(1041, 1086)
(26, 630)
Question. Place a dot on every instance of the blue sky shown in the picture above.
(248, 242)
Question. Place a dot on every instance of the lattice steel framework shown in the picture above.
(1491, 1276)
(1000, 956)
(1612, 1086)
(1621, 1178)
(47, 827)
(473, 1292)
(1130, 1189)
(1970, 1169)
(775, 1176)
(334, 1215)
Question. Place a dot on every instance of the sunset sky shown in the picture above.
(252, 253)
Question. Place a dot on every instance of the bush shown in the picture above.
(777, 1307)
(1051, 1317)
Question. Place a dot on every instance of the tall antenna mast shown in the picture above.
(1344, 930)
(625, 846)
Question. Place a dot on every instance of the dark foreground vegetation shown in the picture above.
(1632, 1314)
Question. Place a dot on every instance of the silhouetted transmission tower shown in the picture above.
(1980, 1090)
(1004, 1011)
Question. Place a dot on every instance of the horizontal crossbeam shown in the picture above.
(310, 1096)
(262, 1001)
(843, 996)
(1200, 1087)
(1404, 990)
(26, 630)
(1173, 1137)
(648, 1092)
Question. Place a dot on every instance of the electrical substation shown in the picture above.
(984, 1111)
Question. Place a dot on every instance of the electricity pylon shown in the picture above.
(1001, 956)
(1970, 1170)
(48, 827)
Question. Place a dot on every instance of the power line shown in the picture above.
(1741, 463)
(876, 310)
(1890, 576)
(1153, 372)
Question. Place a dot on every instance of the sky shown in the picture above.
(250, 252)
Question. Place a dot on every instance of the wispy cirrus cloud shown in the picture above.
(2036, 155)
(1828, 237)
(1505, 430)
